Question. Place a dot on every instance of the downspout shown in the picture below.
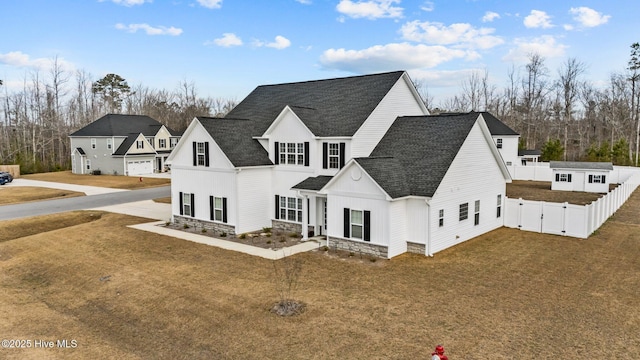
(428, 242)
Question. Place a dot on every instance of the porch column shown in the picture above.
(305, 217)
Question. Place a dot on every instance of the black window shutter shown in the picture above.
(276, 160)
(181, 207)
(604, 179)
(342, 154)
(306, 153)
(325, 155)
(590, 179)
(193, 205)
(557, 177)
(224, 210)
(569, 177)
(195, 154)
(367, 226)
(277, 207)
(347, 222)
(211, 208)
(206, 153)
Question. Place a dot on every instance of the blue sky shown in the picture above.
(228, 47)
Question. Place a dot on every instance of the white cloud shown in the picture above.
(211, 4)
(391, 56)
(150, 30)
(20, 59)
(588, 17)
(280, 43)
(568, 27)
(454, 34)
(372, 9)
(227, 40)
(129, 2)
(538, 19)
(489, 16)
(428, 6)
(545, 46)
(304, 2)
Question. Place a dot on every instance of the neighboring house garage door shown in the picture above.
(140, 167)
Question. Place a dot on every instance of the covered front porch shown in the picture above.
(314, 206)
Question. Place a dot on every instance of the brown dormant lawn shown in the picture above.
(109, 181)
(127, 294)
(20, 194)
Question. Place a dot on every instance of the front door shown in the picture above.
(159, 167)
(322, 218)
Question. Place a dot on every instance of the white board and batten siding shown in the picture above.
(255, 204)
(399, 101)
(473, 175)
(355, 190)
(397, 228)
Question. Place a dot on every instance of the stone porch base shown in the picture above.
(202, 224)
(359, 247)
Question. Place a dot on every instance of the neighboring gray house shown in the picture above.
(580, 176)
(122, 145)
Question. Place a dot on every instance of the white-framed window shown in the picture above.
(597, 179)
(563, 177)
(499, 143)
(186, 204)
(357, 224)
(441, 218)
(464, 211)
(162, 143)
(334, 155)
(93, 143)
(109, 143)
(509, 163)
(291, 153)
(139, 144)
(88, 164)
(476, 213)
(173, 142)
(499, 206)
(200, 153)
(291, 209)
(217, 209)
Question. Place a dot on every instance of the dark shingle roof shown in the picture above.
(121, 125)
(232, 137)
(416, 152)
(529, 152)
(389, 173)
(496, 127)
(331, 107)
(313, 183)
(581, 165)
(126, 145)
(81, 151)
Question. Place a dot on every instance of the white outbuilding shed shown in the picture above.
(580, 176)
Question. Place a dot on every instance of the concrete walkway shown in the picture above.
(229, 245)
(146, 208)
(88, 190)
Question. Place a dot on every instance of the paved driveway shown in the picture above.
(105, 199)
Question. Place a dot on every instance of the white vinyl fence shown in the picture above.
(567, 219)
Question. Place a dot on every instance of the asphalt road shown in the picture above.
(81, 203)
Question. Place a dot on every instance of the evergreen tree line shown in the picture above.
(35, 121)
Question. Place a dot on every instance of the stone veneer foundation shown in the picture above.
(201, 224)
(289, 227)
(358, 247)
(415, 248)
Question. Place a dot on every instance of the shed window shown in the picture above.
(563, 177)
(597, 179)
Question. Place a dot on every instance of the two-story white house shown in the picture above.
(122, 145)
(277, 160)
